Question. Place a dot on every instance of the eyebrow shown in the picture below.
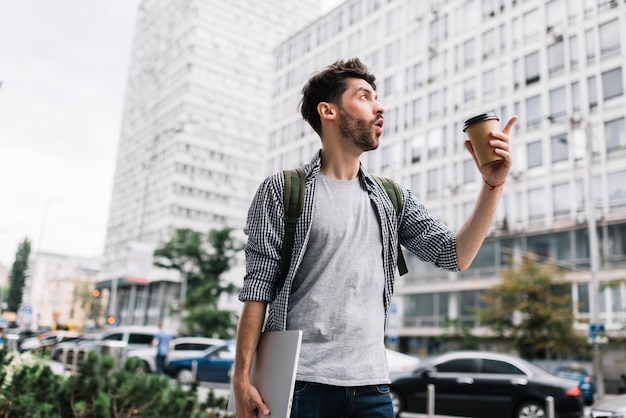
(368, 90)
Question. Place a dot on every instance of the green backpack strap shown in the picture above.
(294, 203)
(392, 190)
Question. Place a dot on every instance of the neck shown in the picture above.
(339, 165)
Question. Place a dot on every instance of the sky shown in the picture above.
(63, 71)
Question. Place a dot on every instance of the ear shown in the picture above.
(327, 111)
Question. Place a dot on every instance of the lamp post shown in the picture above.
(594, 257)
(577, 121)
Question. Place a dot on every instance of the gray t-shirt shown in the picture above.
(337, 294)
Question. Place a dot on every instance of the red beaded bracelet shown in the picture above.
(492, 187)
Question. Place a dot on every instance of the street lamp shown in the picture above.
(575, 122)
(594, 257)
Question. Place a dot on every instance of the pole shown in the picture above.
(431, 401)
(593, 260)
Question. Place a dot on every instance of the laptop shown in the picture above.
(274, 371)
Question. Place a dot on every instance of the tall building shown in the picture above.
(193, 134)
(558, 64)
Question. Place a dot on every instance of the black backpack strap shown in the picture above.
(392, 190)
(294, 203)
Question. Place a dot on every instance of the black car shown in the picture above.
(485, 385)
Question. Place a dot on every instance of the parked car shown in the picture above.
(613, 407)
(212, 365)
(485, 385)
(578, 372)
(182, 347)
(400, 362)
(14, 337)
(84, 341)
(48, 340)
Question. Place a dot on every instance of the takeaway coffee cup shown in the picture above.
(477, 130)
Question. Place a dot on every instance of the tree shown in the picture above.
(533, 307)
(17, 277)
(203, 258)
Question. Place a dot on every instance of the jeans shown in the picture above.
(160, 363)
(315, 400)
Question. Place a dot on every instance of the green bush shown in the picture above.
(98, 389)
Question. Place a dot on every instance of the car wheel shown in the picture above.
(531, 409)
(397, 402)
(184, 376)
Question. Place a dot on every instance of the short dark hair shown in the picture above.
(329, 85)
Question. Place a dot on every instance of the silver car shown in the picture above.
(613, 407)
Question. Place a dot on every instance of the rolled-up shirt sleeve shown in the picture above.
(265, 231)
(426, 236)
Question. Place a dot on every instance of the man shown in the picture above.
(163, 342)
(340, 282)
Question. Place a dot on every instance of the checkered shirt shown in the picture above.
(418, 231)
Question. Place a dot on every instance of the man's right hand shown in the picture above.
(249, 402)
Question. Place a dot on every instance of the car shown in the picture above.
(578, 372)
(211, 365)
(400, 362)
(84, 341)
(48, 340)
(14, 337)
(613, 407)
(485, 385)
(182, 347)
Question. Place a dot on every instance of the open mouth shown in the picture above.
(379, 124)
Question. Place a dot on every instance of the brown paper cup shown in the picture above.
(477, 130)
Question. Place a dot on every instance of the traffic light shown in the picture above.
(96, 293)
(111, 320)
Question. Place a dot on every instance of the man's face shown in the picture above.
(360, 115)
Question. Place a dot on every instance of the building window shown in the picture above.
(575, 96)
(531, 23)
(489, 84)
(534, 154)
(557, 102)
(434, 104)
(559, 147)
(416, 180)
(489, 9)
(615, 135)
(469, 90)
(489, 43)
(469, 52)
(590, 46)
(416, 111)
(561, 199)
(533, 111)
(469, 171)
(536, 206)
(609, 38)
(617, 189)
(573, 51)
(531, 67)
(434, 142)
(431, 179)
(556, 57)
(612, 85)
(592, 91)
(555, 13)
(388, 86)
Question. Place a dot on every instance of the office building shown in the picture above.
(193, 135)
(558, 65)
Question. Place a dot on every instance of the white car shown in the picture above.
(183, 347)
(399, 362)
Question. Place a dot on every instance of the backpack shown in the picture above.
(294, 204)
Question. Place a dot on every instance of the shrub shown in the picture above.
(98, 389)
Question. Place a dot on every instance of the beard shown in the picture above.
(358, 131)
